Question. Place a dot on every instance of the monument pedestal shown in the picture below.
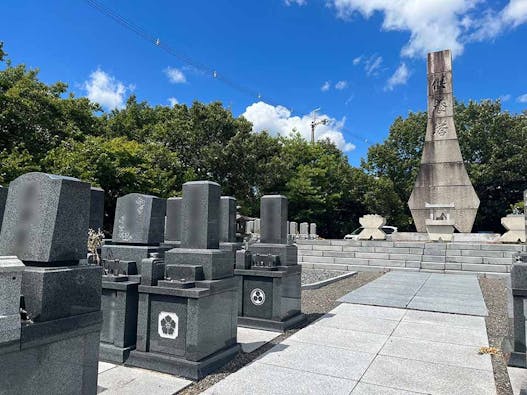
(185, 330)
(119, 305)
(135, 253)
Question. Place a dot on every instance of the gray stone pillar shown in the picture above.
(96, 208)
(227, 219)
(313, 230)
(293, 228)
(257, 225)
(304, 230)
(3, 198)
(200, 215)
(173, 220)
(273, 213)
(519, 295)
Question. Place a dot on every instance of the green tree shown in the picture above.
(119, 166)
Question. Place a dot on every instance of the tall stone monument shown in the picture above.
(53, 347)
(442, 177)
(187, 321)
(228, 224)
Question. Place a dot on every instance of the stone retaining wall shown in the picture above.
(367, 255)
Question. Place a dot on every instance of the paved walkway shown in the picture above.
(448, 293)
(365, 349)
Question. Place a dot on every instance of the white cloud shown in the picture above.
(175, 76)
(278, 120)
(400, 77)
(357, 60)
(504, 98)
(522, 98)
(341, 85)
(297, 2)
(325, 87)
(372, 64)
(104, 89)
(436, 25)
(173, 101)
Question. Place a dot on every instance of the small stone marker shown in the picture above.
(293, 228)
(139, 219)
(304, 230)
(313, 231)
(515, 225)
(372, 224)
(249, 227)
(519, 296)
(257, 225)
(173, 220)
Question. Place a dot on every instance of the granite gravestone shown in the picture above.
(442, 177)
(138, 229)
(173, 222)
(228, 224)
(3, 198)
(187, 322)
(268, 273)
(47, 217)
(96, 221)
(313, 231)
(293, 229)
(304, 230)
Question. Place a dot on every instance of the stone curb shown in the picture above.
(320, 284)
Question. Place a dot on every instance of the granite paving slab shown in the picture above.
(447, 293)
(260, 379)
(125, 380)
(314, 358)
(368, 349)
(252, 339)
(518, 379)
(427, 377)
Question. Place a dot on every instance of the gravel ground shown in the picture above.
(310, 276)
(495, 295)
(315, 303)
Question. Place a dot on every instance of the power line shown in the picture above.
(207, 70)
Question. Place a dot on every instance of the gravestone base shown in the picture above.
(188, 329)
(517, 360)
(113, 354)
(270, 325)
(119, 305)
(56, 292)
(194, 370)
(287, 253)
(69, 347)
(270, 299)
(135, 253)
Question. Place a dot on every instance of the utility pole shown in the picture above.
(315, 123)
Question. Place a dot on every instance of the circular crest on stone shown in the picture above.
(167, 325)
(257, 297)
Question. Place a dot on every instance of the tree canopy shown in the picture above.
(155, 149)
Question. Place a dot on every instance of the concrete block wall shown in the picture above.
(380, 256)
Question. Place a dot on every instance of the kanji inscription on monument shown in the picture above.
(442, 177)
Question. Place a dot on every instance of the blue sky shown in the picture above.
(361, 61)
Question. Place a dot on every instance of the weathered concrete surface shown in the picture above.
(442, 176)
